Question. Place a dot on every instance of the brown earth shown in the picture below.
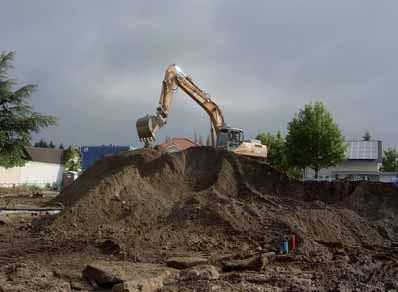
(205, 199)
(142, 206)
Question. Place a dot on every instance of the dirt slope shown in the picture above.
(203, 198)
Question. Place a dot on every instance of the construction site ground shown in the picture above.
(200, 220)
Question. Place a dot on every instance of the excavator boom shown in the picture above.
(147, 126)
(223, 137)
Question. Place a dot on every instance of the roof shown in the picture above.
(46, 155)
(180, 143)
(364, 150)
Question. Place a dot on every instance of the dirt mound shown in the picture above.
(204, 198)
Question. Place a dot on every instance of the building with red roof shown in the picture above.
(177, 144)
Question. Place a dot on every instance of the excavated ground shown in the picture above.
(143, 206)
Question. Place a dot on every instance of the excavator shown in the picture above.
(221, 135)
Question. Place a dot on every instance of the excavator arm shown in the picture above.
(174, 78)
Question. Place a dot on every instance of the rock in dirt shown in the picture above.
(108, 274)
(5, 221)
(110, 247)
(185, 262)
(103, 275)
(254, 263)
(200, 273)
(140, 285)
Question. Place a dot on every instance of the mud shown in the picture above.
(145, 207)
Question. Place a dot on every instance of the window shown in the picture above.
(222, 139)
(234, 137)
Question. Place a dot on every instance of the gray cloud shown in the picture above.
(99, 64)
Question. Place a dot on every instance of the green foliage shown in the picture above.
(276, 149)
(41, 143)
(277, 153)
(390, 160)
(72, 159)
(314, 140)
(17, 119)
(367, 136)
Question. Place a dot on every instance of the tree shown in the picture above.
(276, 150)
(61, 146)
(43, 144)
(17, 119)
(200, 140)
(72, 159)
(390, 160)
(276, 146)
(367, 136)
(314, 140)
(167, 139)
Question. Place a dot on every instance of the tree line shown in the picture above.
(315, 141)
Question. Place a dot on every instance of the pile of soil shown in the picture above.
(204, 199)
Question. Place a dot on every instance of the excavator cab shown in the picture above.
(230, 138)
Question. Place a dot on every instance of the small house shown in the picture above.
(177, 144)
(363, 162)
(44, 166)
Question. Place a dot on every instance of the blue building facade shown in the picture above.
(90, 154)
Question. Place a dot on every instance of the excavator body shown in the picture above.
(222, 136)
(233, 139)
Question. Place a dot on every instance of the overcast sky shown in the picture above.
(99, 64)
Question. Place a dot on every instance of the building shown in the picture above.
(90, 154)
(363, 162)
(44, 166)
(177, 144)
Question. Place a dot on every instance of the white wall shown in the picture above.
(347, 165)
(388, 178)
(35, 173)
(172, 148)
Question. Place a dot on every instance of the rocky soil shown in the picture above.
(204, 220)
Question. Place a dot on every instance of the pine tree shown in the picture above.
(42, 144)
(17, 119)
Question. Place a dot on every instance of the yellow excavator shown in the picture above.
(222, 136)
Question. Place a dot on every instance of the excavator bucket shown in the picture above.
(146, 128)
